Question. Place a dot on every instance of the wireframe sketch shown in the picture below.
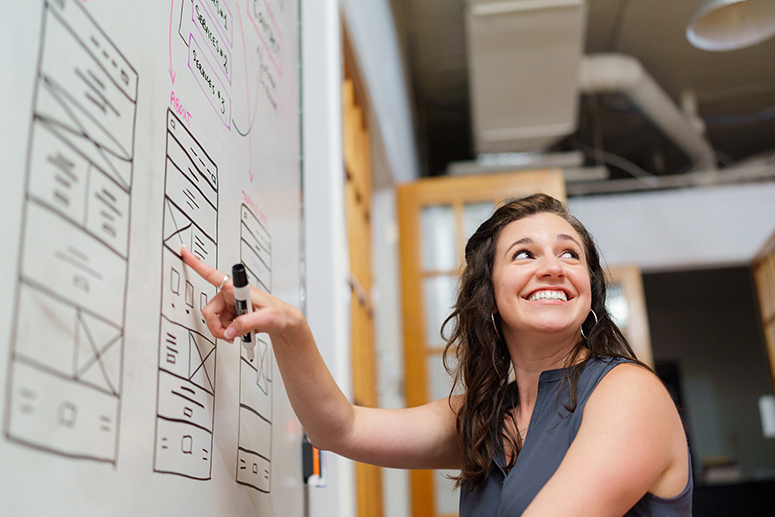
(65, 373)
(254, 446)
(185, 406)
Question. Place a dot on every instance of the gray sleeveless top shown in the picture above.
(552, 429)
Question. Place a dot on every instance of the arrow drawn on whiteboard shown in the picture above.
(247, 85)
(172, 9)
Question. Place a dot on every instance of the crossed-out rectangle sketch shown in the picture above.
(185, 406)
(254, 445)
(65, 374)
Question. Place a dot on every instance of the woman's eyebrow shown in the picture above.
(566, 237)
(523, 240)
(529, 240)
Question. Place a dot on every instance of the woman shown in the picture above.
(557, 415)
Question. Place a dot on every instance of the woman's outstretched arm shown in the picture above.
(421, 437)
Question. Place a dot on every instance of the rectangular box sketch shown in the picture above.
(64, 378)
(254, 445)
(185, 406)
(205, 28)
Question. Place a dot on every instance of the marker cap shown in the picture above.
(239, 275)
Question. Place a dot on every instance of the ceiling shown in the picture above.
(734, 91)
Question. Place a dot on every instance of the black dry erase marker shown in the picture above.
(244, 305)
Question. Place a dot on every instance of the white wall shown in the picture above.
(680, 229)
(394, 153)
(325, 245)
(378, 54)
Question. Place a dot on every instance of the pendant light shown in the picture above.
(731, 24)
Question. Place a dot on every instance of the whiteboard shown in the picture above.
(128, 130)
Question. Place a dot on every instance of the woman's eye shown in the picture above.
(521, 255)
(569, 254)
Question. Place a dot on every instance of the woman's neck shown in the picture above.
(530, 361)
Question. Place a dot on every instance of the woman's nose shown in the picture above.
(550, 266)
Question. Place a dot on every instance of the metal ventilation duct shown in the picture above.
(617, 73)
(523, 71)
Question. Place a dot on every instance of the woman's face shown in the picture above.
(540, 277)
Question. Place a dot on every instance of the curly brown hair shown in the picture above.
(483, 364)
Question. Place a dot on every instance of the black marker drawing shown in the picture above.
(254, 445)
(205, 24)
(65, 374)
(185, 404)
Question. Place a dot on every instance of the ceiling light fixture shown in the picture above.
(731, 24)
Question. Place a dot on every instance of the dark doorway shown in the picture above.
(709, 349)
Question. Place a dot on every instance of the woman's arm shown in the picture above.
(421, 437)
(631, 441)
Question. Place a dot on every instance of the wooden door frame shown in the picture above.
(358, 199)
(763, 266)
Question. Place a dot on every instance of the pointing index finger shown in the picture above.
(212, 275)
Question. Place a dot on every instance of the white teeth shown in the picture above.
(549, 295)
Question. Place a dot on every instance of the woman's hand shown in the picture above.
(420, 437)
(269, 315)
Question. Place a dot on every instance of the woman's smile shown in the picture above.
(546, 294)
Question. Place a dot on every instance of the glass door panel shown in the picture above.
(438, 238)
(438, 299)
(475, 214)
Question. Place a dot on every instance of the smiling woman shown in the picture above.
(530, 371)
(553, 419)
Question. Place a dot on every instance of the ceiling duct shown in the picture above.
(617, 73)
(523, 58)
(526, 69)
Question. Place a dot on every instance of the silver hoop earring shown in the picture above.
(582, 325)
(495, 326)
